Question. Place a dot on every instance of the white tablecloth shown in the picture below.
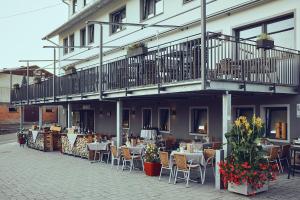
(97, 146)
(268, 147)
(137, 150)
(148, 134)
(72, 138)
(34, 135)
(196, 158)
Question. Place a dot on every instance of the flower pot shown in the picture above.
(264, 44)
(246, 189)
(137, 51)
(152, 169)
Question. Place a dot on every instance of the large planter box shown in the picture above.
(152, 169)
(246, 189)
(265, 44)
(136, 51)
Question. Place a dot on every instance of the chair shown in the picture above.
(165, 164)
(182, 166)
(284, 155)
(274, 156)
(209, 158)
(128, 158)
(115, 156)
(107, 153)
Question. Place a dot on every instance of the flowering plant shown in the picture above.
(247, 163)
(151, 153)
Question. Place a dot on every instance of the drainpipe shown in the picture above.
(10, 86)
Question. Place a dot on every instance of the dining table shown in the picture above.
(98, 147)
(194, 157)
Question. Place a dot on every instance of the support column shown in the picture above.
(69, 115)
(203, 45)
(40, 117)
(119, 122)
(21, 117)
(226, 119)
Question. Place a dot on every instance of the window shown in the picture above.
(49, 110)
(12, 109)
(66, 44)
(276, 122)
(74, 6)
(118, 17)
(164, 119)
(198, 120)
(86, 2)
(72, 42)
(91, 34)
(281, 29)
(187, 1)
(151, 8)
(126, 118)
(243, 111)
(83, 37)
(147, 118)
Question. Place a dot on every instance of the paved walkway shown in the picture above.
(31, 174)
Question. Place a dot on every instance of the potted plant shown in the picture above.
(137, 49)
(152, 162)
(246, 170)
(70, 70)
(16, 86)
(37, 80)
(264, 41)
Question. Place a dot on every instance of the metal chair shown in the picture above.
(274, 156)
(115, 156)
(128, 158)
(284, 156)
(209, 158)
(165, 164)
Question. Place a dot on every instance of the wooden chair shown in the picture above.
(128, 158)
(165, 164)
(182, 166)
(284, 155)
(274, 156)
(209, 161)
(115, 156)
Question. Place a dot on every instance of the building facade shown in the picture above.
(151, 73)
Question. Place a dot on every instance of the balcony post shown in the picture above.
(10, 87)
(54, 72)
(203, 44)
(27, 86)
(69, 115)
(119, 122)
(40, 117)
(100, 60)
(226, 119)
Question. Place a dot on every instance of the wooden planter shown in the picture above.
(246, 189)
(264, 44)
(131, 52)
(70, 71)
(152, 169)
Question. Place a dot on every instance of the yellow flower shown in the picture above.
(247, 125)
(237, 123)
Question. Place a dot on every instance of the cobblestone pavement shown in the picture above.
(31, 174)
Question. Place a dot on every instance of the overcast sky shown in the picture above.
(23, 24)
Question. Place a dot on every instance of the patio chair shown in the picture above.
(274, 156)
(284, 155)
(128, 158)
(115, 156)
(209, 161)
(182, 166)
(165, 164)
(106, 153)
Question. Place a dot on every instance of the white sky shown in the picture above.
(21, 36)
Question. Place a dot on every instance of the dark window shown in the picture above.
(281, 29)
(72, 42)
(147, 118)
(84, 2)
(91, 33)
(118, 17)
(244, 111)
(66, 44)
(164, 119)
(198, 120)
(49, 110)
(74, 6)
(187, 1)
(276, 122)
(151, 8)
(126, 116)
(12, 109)
(83, 37)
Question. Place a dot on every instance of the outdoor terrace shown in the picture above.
(234, 65)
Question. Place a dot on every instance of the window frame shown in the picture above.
(65, 45)
(151, 118)
(83, 40)
(126, 128)
(71, 46)
(142, 14)
(111, 20)
(169, 119)
(74, 6)
(263, 116)
(91, 40)
(190, 120)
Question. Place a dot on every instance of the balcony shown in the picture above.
(231, 65)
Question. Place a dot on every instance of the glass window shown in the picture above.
(126, 116)
(164, 119)
(49, 110)
(91, 34)
(250, 33)
(198, 120)
(66, 44)
(284, 39)
(244, 111)
(276, 122)
(147, 118)
(118, 17)
(83, 37)
(12, 109)
(75, 6)
(151, 8)
(280, 25)
(72, 42)
(187, 1)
